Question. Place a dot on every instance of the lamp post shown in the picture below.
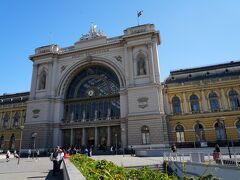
(34, 135)
(20, 144)
(116, 142)
(229, 152)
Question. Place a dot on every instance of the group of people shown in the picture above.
(8, 154)
(34, 153)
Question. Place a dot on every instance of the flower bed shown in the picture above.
(103, 169)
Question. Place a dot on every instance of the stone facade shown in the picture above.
(203, 104)
(132, 58)
(12, 117)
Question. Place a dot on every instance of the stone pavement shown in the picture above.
(130, 161)
(40, 169)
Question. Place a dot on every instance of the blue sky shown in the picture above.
(193, 32)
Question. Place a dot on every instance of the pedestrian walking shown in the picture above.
(216, 153)
(53, 158)
(29, 153)
(37, 153)
(8, 155)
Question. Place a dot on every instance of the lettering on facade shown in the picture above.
(89, 53)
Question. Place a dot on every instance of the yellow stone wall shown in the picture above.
(205, 117)
(7, 132)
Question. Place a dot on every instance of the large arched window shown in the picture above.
(176, 105)
(194, 103)
(233, 98)
(220, 131)
(180, 133)
(238, 129)
(199, 132)
(213, 100)
(93, 94)
(145, 135)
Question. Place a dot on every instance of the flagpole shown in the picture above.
(137, 18)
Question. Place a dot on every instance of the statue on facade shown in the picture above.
(42, 81)
(141, 66)
(93, 33)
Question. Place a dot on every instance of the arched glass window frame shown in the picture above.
(220, 131)
(194, 102)
(214, 101)
(16, 119)
(103, 103)
(199, 132)
(145, 131)
(176, 105)
(234, 99)
(180, 136)
(238, 129)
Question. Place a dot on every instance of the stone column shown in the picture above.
(83, 136)
(108, 136)
(49, 81)
(125, 62)
(204, 102)
(53, 78)
(155, 60)
(185, 103)
(34, 81)
(224, 100)
(151, 63)
(130, 66)
(96, 137)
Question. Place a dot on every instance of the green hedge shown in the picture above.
(102, 169)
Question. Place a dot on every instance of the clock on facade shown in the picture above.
(90, 92)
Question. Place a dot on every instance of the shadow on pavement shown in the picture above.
(59, 175)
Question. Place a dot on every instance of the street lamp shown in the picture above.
(20, 144)
(229, 152)
(34, 135)
(116, 142)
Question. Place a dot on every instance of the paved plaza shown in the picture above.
(40, 169)
(130, 161)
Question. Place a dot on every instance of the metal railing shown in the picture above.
(199, 157)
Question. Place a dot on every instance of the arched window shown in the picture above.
(238, 129)
(141, 64)
(5, 120)
(194, 103)
(16, 119)
(176, 105)
(93, 94)
(234, 101)
(42, 80)
(145, 135)
(220, 131)
(199, 132)
(213, 100)
(1, 142)
(12, 142)
(180, 133)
